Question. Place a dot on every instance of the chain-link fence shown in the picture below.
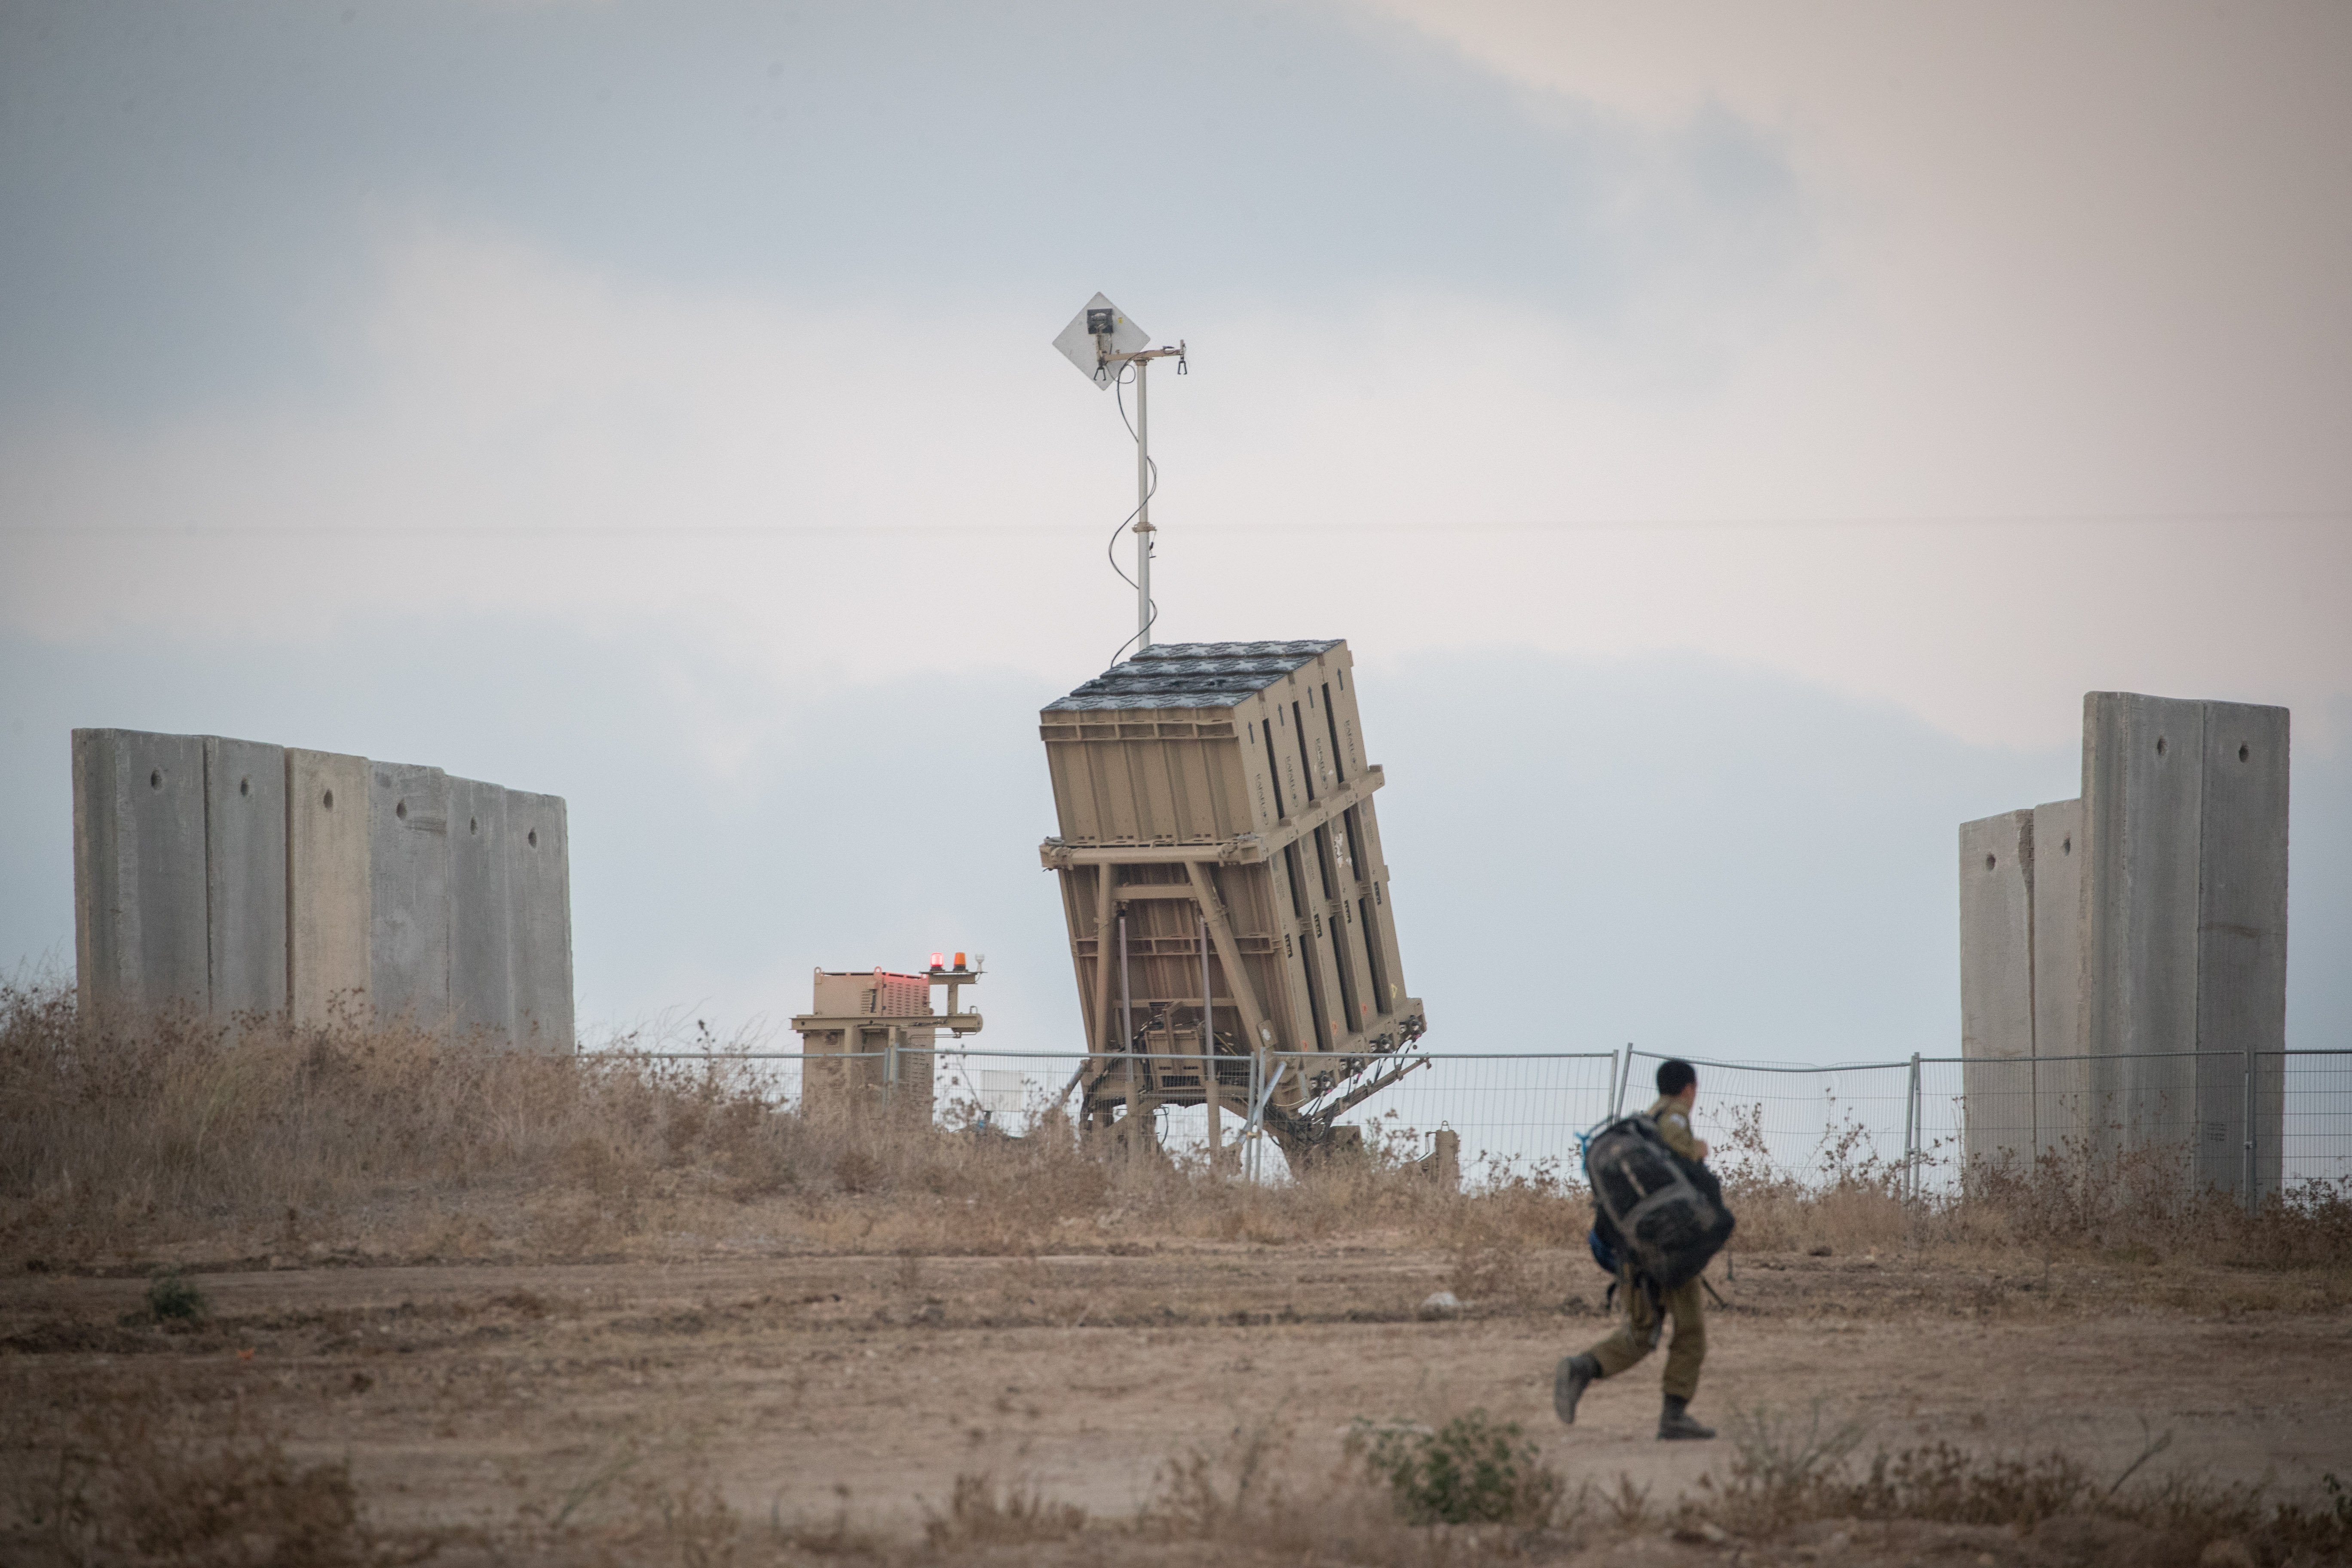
(2273, 1121)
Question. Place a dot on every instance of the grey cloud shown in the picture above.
(189, 193)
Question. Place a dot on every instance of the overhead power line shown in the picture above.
(1457, 525)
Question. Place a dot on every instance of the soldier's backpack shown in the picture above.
(1663, 1214)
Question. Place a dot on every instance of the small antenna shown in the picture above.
(1099, 339)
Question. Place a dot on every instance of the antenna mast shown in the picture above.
(1098, 340)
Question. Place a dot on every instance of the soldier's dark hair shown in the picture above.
(1675, 1075)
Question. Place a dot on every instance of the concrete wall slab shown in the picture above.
(1997, 859)
(2143, 792)
(539, 884)
(329, 908)
(481, 915)
(245, 875)
(139, 871)
(408, 883)
(2241, 942)
(2063, 1108)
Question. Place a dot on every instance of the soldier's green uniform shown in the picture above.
(1637, 1334)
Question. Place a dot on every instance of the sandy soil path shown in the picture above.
(467, 1394)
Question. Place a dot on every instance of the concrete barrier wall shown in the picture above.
(139, 871)
(245, 875)
(539, 884)
(2158, 928)
(408, 912)
(237, 877)
(481, 915)
(1997, 857)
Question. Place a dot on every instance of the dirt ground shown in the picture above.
(491, 1398)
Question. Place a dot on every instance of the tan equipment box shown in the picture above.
(1224, 783)
(867, 1039)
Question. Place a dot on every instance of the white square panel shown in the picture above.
(1078, 344)
(1002, 1094)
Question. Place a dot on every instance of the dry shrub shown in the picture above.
(1233, 1489)
(1849, 1199)
(1473, 1469)
(691, 1524)
(1784, 1470)
(1253, 1499)
(2079, 1197)
(164, 1474)
(117, 1133)
(134, 1137)
(980, 1513)
(175, 1138)
(2083, 1196)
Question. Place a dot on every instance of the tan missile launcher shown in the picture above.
(1216, 824)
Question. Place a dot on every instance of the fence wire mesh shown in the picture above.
(1515, 1114)
(2315, 1094)
(1915, 1124)
(1809, 1126)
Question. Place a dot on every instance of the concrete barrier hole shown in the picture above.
(245, 786)
(1989, 862)
(534, 838)
(2243, 753)
(473, 824)
(401, 811)
(2159, 745)
(2066, 845)
(155, 779)
(327, 799)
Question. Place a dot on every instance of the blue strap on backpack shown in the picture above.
(1602, 1253)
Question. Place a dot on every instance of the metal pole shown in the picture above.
(1209, 1050)
(1143, 507)
(1911, 1132)
(1127, 1024)
(1260, 1099)
(1624, 1078)
(2253, 1198)
(1249, 1123)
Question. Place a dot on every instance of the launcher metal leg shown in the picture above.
(1209, 1051)
(1229, 953)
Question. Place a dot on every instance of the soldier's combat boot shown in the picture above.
(1675, 1423)
(1568, 1381)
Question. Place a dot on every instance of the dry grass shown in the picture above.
(172, 1137)
(167, 1140)
(173, 1472)
(2132, 1205)
(1785, 1471)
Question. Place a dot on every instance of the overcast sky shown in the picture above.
(653, 405)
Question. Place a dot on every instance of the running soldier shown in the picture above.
(1637, 1334)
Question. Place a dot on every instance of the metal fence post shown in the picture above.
(1911, 1134)
(1618, 1108)
(1249, 1123)
(2253, 1197)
